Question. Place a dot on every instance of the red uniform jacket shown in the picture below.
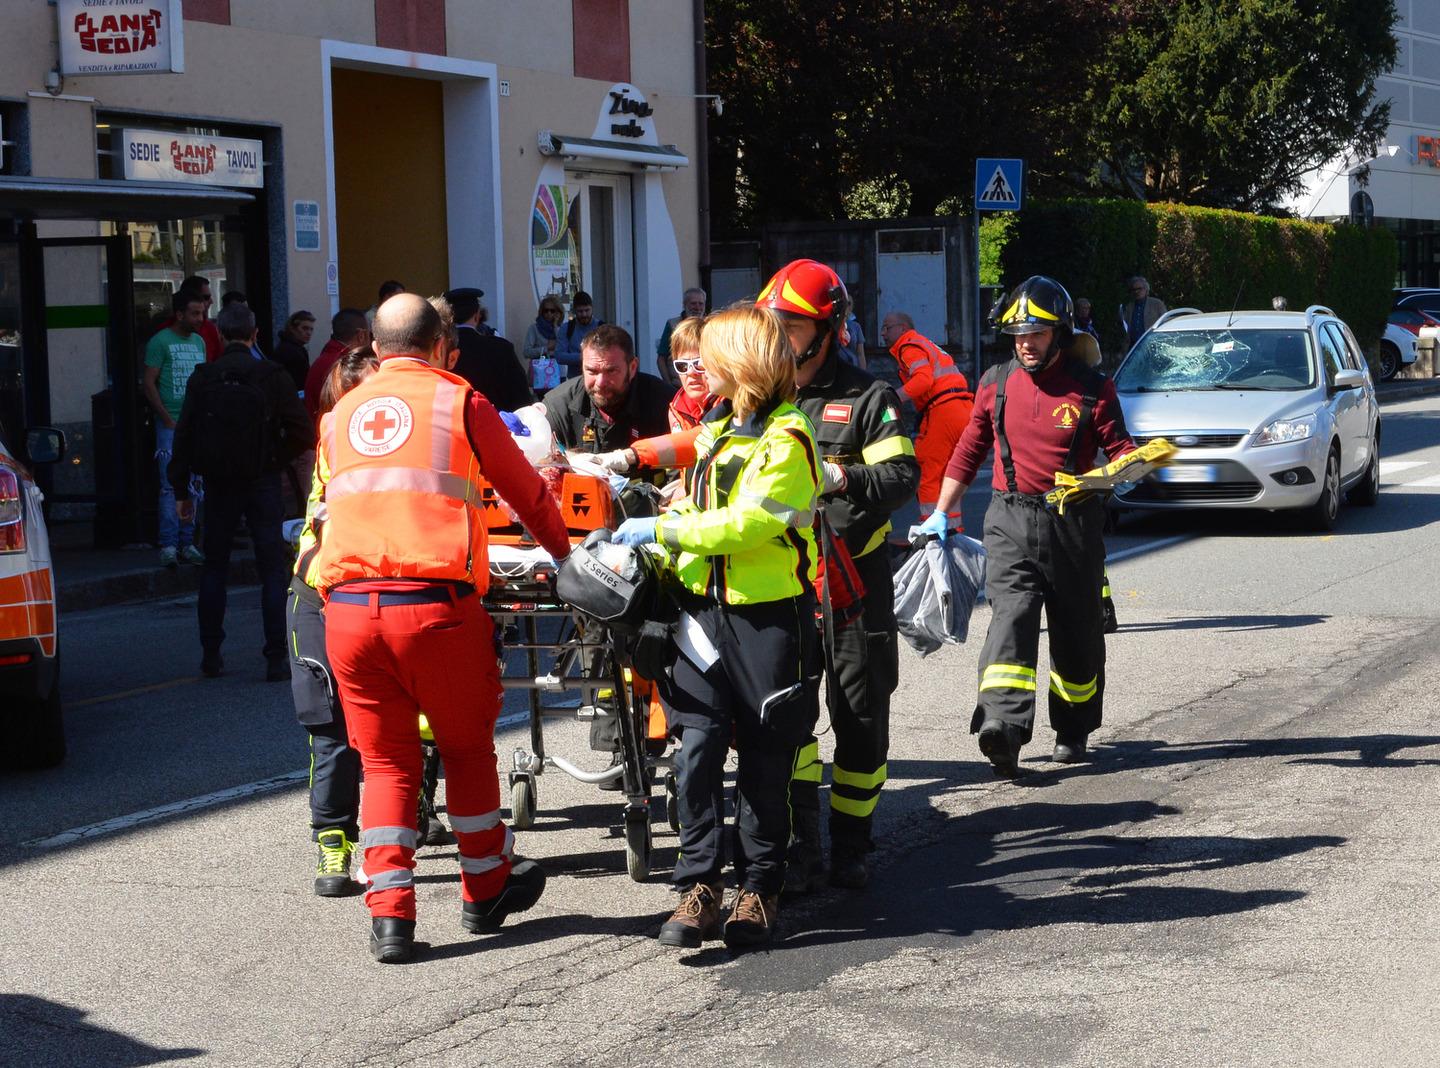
(1041, 413)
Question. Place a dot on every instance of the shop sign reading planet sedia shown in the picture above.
(162, 156)
(120, 36)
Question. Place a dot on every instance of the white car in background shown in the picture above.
(1272, 410)
(30, 711)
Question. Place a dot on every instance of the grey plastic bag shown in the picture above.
(937, 589)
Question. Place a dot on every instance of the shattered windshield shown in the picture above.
(1169, 360)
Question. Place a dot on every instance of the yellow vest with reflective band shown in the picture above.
(307, 555)
(746, 534)
(402, 499)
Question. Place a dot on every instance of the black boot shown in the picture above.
(1069, 748)
(805, 863)
(523, 887)
(848, 867)
(1000, 748)
(392, 940)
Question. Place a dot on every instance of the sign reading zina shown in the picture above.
(159, 156)
(121, 36)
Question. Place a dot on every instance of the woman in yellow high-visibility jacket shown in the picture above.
(748, 664)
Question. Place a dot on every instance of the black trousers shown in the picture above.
(865, 668)
(258, 501)
(334, 765)
(1038, 559)
(763, 693)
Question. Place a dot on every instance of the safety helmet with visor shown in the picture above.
(811, 290)
(1039, 303)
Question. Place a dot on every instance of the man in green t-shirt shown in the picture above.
(170, 357)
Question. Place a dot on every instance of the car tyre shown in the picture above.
(39, 732)
(1322, 514)
(1366, 492)
(1388, 365)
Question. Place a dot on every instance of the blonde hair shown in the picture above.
(747, 345)
(447, 321)
(686, 335)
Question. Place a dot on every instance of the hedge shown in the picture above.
(1203, 258)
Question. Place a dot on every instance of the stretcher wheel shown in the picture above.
(637, 847)
(672, 802)
(522, 803)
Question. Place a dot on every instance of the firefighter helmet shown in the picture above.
(812, 290)
(1038, 303)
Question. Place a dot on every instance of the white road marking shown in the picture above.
(1148, 547)
(196, 804)
(1394, 467)
(1421, 483)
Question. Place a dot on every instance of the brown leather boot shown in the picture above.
(752, 920)
(697, 918)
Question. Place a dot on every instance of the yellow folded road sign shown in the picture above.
(1129, 468)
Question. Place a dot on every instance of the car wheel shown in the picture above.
(39, 732)
(1322, 514)
(1367, 491)
(1388, 365)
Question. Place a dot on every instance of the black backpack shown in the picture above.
(234, 428)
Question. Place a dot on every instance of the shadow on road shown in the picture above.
(49, 1032)
(1230, 624)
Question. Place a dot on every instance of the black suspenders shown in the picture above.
(1091, 383)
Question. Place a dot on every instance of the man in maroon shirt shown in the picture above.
(348, 330)
(1045, 412)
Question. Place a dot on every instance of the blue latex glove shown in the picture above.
(635, 532)
(937, 524)
(514, 424)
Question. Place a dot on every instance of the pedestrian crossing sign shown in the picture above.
(999, 184)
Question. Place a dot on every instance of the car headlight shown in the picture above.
(1284, 430)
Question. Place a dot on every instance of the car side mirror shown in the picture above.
(1348, 379)
(44, 445)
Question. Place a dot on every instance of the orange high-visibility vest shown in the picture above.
(927, 372)
(404, 496)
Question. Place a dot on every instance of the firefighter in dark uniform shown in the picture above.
(1044, 411)
(870, 470)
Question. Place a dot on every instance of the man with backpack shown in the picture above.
(570, 337)
(241, 423)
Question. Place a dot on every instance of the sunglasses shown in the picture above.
(686, 366)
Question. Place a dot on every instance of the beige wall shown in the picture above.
(266, 68)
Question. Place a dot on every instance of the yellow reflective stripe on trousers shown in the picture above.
(887, 449)
(850, 807)
(1008, 677)
(1075, 693)
(859, 780)
(807, 763)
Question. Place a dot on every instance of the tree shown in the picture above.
(1229, 103)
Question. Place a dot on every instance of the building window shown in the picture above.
(14, 138)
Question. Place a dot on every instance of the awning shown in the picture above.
(110, 199)
(655, 156)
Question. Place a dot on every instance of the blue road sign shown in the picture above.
(999, 184)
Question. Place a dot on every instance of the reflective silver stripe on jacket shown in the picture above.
(400, 479)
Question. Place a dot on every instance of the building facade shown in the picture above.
(1399, 188)
(305, 152)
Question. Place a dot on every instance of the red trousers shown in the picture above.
(940, 428)
(390, 662)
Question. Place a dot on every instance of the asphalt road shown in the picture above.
(1243, 876)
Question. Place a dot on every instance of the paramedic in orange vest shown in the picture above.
(942, 398)
(404, 553)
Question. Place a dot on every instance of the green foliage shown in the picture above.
(1202, 258)
(995, 231)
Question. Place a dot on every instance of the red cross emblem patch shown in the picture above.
(380, 425)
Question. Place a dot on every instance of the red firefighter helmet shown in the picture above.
(809, 288)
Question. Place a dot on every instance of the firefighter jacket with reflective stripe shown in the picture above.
(1043, 424)
(746, 534)
(857, 425)
(927, 373)
(402, 499)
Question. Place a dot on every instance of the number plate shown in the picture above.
(1189, 473)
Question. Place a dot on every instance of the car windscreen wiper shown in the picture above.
(1258, 389)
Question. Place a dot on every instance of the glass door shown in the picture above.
(604, 258)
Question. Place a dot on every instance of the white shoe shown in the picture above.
(191, 555)
(169, 556)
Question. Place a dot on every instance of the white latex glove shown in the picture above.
(619, 461)
(833, 478)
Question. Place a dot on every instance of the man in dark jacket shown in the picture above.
(613, 403)
(240, 424)
(486, 361)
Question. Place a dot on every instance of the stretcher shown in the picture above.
(563, 652)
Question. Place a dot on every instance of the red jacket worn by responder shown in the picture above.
(403, 555)
(943, 401)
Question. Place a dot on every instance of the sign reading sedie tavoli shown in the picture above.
(121, 36)
(160, 156)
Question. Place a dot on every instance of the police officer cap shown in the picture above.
(453, 296)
